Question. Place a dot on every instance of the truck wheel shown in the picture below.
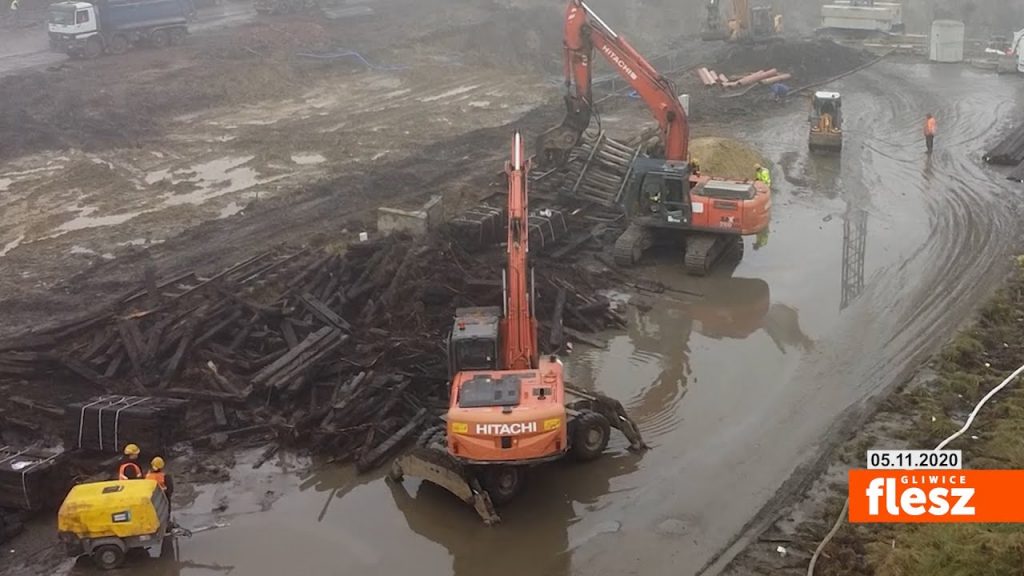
(118, 45)
(590, 433)
(93, 48)
(159, 39)
(108, 557)
(503, 483)
(177, 36)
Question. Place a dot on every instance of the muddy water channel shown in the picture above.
(873, 257)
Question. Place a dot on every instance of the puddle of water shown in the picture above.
(83, 221)
(450, 93)
(12, 245)
(306, 158)
(230, 210)
(213, 179)
(479, 104)
(76, 249)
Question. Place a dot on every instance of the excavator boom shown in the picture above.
(586, 33)
(518, 325)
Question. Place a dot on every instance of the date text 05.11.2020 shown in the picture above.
(914, 460)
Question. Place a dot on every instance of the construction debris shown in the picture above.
(336, 351)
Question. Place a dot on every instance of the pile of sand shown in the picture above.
(725, 157)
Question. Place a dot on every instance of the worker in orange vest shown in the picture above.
(930, 126)
(129, 468)
(162, 478)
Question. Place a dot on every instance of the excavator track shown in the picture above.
(704, 250)
(630, 247)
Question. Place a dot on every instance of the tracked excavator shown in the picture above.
(666, 202)
(510, 408)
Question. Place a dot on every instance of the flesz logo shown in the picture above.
(907, 496)
(915, 501)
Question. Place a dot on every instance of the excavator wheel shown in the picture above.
(503, 483)
(630, 247)
(590, 434)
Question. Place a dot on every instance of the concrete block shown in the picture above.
(416, 222)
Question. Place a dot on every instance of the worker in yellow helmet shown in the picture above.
(694, 166)
(129, 468)
(162, 478)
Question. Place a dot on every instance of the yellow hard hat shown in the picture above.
(757, 166)
(131, 450)
(157, 463)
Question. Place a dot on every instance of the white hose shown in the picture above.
(970, 420)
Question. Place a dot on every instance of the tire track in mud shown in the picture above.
(970, 231)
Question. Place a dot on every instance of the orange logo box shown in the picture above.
(936, 496)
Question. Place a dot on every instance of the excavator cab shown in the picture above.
(473, 342)
(762, 22)
(826, 132)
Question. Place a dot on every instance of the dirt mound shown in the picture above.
(808, 61)
(725, 157)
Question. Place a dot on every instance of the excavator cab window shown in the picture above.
(475, 354)
(484, 391)
(667, 194)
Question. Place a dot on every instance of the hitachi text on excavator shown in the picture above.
(666, 203)
(507, 406)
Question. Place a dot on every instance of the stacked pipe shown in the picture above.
(710, 77)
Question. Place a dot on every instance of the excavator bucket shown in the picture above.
(554, 145)
(434, 465)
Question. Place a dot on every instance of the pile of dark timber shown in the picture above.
(1009, 151)
(339, 352)
(30, 479)
(108, 423)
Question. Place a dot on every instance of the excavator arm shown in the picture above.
(586, 33)
(518, 325)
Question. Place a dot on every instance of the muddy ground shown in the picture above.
(234, 144)
(926, 410)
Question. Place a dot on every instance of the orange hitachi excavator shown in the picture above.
(665, 200)
(507, 408)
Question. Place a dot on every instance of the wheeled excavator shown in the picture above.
(666, 202)
(508, 406)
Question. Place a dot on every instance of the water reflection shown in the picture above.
(534, 537)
